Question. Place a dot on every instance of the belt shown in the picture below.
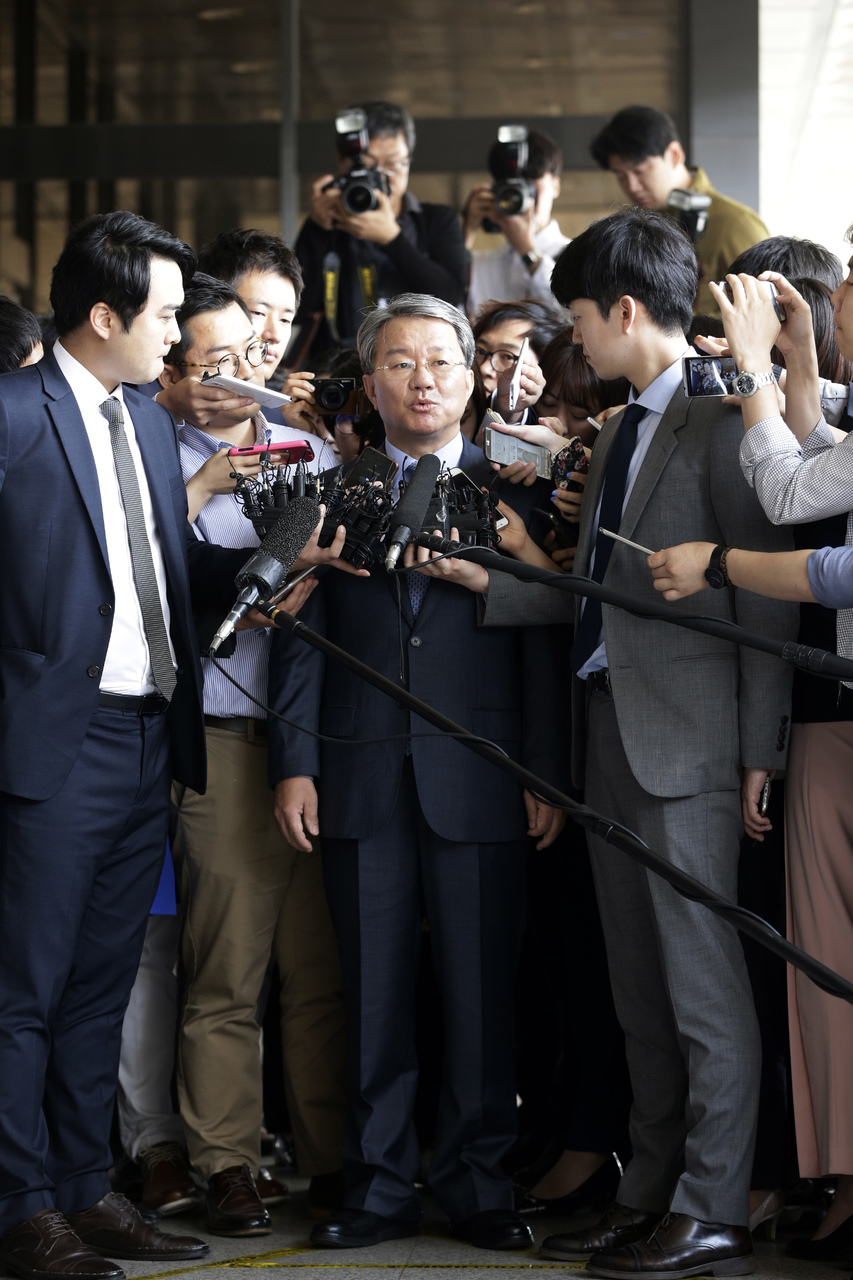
(238, 724)
(600, 681)
(145, 704)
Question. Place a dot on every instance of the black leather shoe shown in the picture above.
(358, 1228)
(679, 1246)
(619, 1225)
(597, 1191)
(232, 1206)
(113, 1228)
(496, 1229)
(837, 1245)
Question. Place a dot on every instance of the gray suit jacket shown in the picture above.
(692, 709)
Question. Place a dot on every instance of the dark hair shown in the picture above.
(234, 253)
(830, 362)
(204, 293)
(569, 376)
(107, 259)
(634, 134)
(543, 156)
(791, 257)
(544, 323)
(386, 120)
(637, 252)
(20, 334)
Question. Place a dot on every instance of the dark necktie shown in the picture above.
(610, 517)
(416, 582)
(140, 552)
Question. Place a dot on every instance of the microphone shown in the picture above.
(264, 573)
(412, 508)
(435, 542)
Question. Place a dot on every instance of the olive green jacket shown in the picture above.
(730, 229)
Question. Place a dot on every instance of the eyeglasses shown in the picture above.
(438, 369)
(387, 166)
(229, 365)
(499, 360)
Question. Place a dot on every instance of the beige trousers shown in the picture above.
(248, 897)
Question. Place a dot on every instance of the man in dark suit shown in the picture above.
(101, 707)
(418, 823)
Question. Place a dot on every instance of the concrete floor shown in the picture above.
(287, 1249)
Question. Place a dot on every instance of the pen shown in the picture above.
(628, 543)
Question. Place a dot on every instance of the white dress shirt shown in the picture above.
(127, 666)
(654, 399)
(501, 275)
(450, 455)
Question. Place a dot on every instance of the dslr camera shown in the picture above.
(691, 210)
(358, 188)
(336, 395)
(513, 192)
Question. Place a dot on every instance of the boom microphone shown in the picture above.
(265, 572)
(412, 508)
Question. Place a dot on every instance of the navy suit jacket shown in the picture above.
(56, 595)
(498, 683)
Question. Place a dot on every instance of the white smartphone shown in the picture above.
(593, 422)
(261, 395)
(503, 449)
(515, 382)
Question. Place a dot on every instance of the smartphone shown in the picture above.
(372, 467)
(593, 422)
(765, 798)
(296, 450)
(260, 395)
(503, 449)
(781, 313)
(708, 375)
(515, 381)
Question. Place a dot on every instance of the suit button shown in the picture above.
(93, 671)
(105, 609)
(416, 642)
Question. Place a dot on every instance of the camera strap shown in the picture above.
(368, 277)
(331, 288)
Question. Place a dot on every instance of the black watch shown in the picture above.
(716, 575)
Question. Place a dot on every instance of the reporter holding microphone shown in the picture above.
(801, 474)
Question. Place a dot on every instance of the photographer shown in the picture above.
(533, 238)
(398, 246)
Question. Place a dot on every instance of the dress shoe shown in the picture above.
(166, 1182)
(496, 1229)
(358, 1228)
(45, 1248)
(113, 1228)
(679, 1246)
(767, 1214)
(837, 1245)
(325, 1195)
(270, 1190)
(232, 1206)
(619, 1225)
(594, 1193)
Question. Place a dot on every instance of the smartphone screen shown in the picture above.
(708, 375)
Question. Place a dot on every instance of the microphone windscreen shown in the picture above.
(412, 508)
(291, 531)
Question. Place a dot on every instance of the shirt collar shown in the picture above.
(207, 443)
(411, 204)
(450, 454)
(658, 394)
(88, 391)
(549, 238)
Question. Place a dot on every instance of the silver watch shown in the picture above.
(746, 384)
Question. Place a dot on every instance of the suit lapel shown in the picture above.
(662, 445)
(71, 430)
(592, 492)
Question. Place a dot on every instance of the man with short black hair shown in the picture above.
(533, 239)
(355, 261)
(20, 336)
(640, 145)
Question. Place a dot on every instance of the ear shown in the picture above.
(170, 375)
(628, 312)
(370, 389)
(103, 320)
(555, 179)
(469, 383)
(675, 154)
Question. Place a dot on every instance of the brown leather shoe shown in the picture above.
(680, 1246)
(114, 1228)
(166, 1182)
(232, 1206)
(619, 1225)
(45, 1248)
(270, 1189)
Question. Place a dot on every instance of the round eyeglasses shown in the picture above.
(229, 365)
(499, 360)
(437, 369)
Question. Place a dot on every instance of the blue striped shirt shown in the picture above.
(221, 521)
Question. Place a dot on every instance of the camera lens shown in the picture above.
(509, 200)
(331, 396)
(358, 197)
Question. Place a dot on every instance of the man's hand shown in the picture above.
(543, 820)
(295, 808)
(680, 571)
(216, 475)
(312, 554)
(462, 572)
(796, 336)
(751, 787)
(292, 603)
(479, 205)
(378, 225)
(749, 320)
(195, 402)
(324, 204)
(517, 472)
(519, 230)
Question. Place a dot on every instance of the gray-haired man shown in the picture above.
(421, 825)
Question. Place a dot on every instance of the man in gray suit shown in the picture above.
(673, 735)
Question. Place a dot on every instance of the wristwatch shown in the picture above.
(715, 574)
(746, 384)
(531, 259)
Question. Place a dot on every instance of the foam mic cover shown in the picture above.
(412, 508)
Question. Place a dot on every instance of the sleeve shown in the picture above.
(796, 484)
(510, 603)
(830, 573)
(439, 263)
(295, 687)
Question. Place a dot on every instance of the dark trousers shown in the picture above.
(473, 899)
(78, 874)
